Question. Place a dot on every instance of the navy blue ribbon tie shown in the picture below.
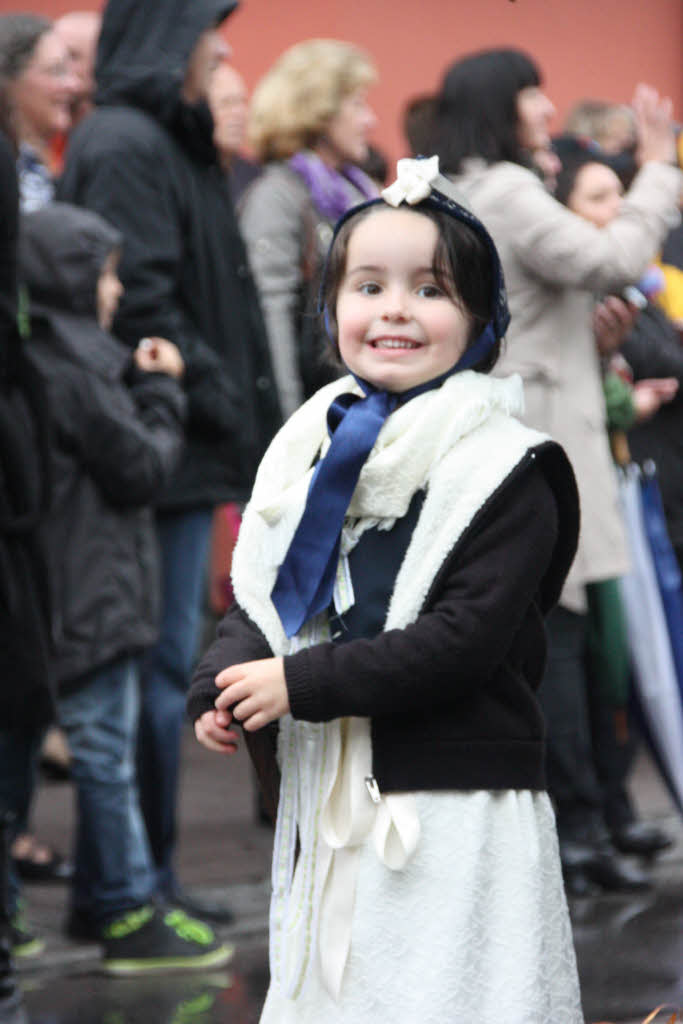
(305, 580)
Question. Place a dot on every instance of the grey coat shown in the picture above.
(287, 239)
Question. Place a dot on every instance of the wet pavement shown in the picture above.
(629, 948)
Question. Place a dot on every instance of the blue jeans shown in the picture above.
(113, 864)
(184, 539)
(18, 759)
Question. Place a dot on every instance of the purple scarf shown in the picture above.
(332, 191)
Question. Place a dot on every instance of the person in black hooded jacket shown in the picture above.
(116, 418)
(145, 160)
(25, 699)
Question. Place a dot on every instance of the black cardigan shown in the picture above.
(451, 696)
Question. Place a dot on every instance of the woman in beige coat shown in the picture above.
(491, 119)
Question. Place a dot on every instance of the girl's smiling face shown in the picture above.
(397, 326)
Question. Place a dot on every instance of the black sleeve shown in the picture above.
(483, 597)
(238, 639)
(119, 178)
(130, 448)
(9, 231)
(653, 349)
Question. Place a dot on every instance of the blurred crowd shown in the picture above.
(162, 237)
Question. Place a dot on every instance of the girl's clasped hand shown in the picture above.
(254, 694)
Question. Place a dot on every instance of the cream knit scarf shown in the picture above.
(458, 443)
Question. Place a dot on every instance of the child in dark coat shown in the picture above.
(117, 423)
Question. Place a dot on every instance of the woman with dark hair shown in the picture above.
(492, 118)
(485, 90)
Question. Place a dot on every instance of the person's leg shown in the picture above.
(609, 675)
(18, 762)
(586, 851)
(184, 539)
(114, 881)
(614, 749)
(572, 779)
(113, 865)
(11, 1005)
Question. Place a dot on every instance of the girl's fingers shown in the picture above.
(216, 748)
(231, 695)
(216, 725)
(257, 721)
(222, 701)
(246, 708)
(229, 675)
(215, 739)
(220, 734)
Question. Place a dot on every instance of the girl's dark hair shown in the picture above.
(475, 112)
(462, 268)
(19, 36)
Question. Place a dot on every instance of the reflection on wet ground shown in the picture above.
(629, 947)
(630, 952)
(233, 995)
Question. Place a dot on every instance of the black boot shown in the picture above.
(640, 837)
(11, 1003)
(596, 865)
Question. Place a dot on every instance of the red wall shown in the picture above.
(586, 48)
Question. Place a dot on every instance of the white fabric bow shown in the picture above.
(414, 181)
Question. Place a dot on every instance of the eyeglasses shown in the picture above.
(58, 69)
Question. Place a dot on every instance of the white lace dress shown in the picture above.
(474, 927)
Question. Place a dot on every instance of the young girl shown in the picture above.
(404, 538)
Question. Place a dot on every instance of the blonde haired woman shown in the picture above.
(310, 123)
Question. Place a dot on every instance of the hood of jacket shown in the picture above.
(143, 53)
(62, 250)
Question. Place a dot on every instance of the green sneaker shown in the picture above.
(23, 942)
(153, 939)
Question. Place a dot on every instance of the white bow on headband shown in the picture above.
(414, 181)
